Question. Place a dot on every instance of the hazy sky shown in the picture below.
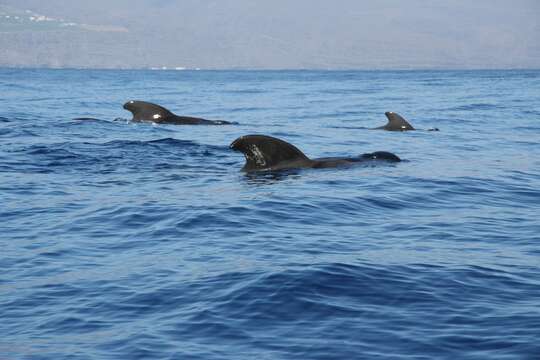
(337, 34)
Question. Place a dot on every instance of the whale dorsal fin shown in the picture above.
(396, 122)
(266, 152)
(145, 111)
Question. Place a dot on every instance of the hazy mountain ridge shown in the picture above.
(279, 34)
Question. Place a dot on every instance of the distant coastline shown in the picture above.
(241, 35)
(173, 69)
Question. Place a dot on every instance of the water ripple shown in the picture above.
(127, 240)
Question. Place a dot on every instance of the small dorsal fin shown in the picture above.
(145, 111)
(396, 122)
(266, 152)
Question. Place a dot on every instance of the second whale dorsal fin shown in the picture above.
(266, 152)
(145, 111)
(396, 122)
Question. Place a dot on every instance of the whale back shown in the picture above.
(396, 122)
(381, 155)
(268, 153)
(145, 111)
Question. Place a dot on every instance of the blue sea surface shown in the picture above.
(124, 240)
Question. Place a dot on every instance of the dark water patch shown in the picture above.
(57, 153)
(5, 132)
(20, 87)
(270, 177)
(294, 305)
(170, 145)
(436, 83)
(15, 133)
(45, 158)
(530, 129)
(105, 157)
(70, 325)
(531, 112)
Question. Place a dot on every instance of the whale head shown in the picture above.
(145, 111)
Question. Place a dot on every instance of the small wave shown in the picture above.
(68, 325)
(283, 134)
(88, 120)
(156, 143)
(247, 109)
(5, 132)
(325, 293)
(472, 107)
(356, 91)
(168, 145)
(531, 112)
(245, 91)
(270, 177)
(348, 127)
(300, 303)
(434, 83)
(117, 155)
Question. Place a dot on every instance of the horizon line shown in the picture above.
(178, 69)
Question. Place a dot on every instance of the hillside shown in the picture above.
(270, 34)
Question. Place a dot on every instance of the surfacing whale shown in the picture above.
(397, 123)
(266, 153)
(145, 111)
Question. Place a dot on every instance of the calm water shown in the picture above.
(135, 241)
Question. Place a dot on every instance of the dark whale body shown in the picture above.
(145, 111)
(266, 153)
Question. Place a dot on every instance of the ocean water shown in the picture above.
(124, 240)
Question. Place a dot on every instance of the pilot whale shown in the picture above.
(267, 153)
(145, 111)
(396, 122)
